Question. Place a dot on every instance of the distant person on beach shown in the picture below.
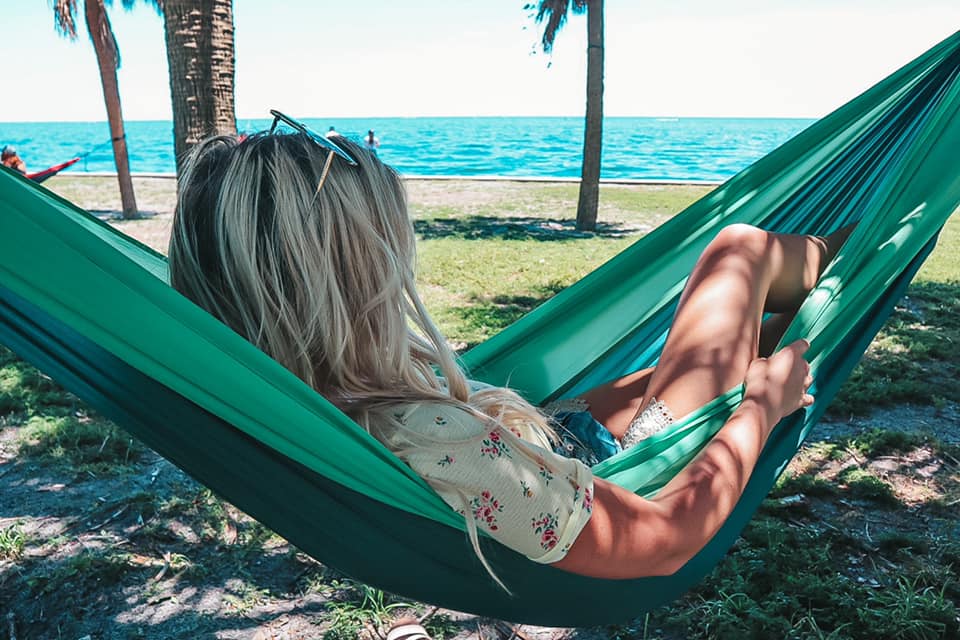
(331, 132)
(371, 142)
(304, 245)
(12, 160)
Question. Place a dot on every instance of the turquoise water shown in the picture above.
(634, 148)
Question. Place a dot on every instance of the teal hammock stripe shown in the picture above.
(92, 308)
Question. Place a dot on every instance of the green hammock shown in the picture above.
(92, 308)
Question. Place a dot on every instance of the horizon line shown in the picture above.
(447, 117)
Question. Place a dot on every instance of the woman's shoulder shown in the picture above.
(441, 420)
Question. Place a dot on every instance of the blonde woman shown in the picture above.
(303, 245)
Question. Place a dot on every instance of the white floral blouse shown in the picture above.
(531, 500)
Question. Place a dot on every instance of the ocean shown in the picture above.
(694, 149)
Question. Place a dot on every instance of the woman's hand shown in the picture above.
(779, 384)
(686, 513)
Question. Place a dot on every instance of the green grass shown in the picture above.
(102, 568)
(805, 484)
(914, 359)
(882, 442)
(795, 581)
(356, 605)
(794, 574)
(24, 391)
(863, 485)
(482, 268)
(457, 277)
(83, 445)
(909, 609)
(12, 542)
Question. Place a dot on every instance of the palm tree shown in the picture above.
(108, 59)
(554, 12)
(200, 56)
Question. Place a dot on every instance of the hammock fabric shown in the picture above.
(40, 176)
(92, 308)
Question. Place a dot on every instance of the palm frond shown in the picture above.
(65, 18)
(554, 13)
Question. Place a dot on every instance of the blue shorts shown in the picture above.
(583, 438)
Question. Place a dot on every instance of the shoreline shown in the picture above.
(624, 207)
(482, 178)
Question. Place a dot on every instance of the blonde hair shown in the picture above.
(322, 278)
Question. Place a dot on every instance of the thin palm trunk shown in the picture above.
(589, 199)
(104, 43)
(200, 55)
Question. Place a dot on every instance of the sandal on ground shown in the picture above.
(407, 631)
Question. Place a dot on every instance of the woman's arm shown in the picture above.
(629, 536)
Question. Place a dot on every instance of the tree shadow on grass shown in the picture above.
(516, 228)
(178, 563)
(107, 593)
(915, 358)
(491, 315)
(116, 215)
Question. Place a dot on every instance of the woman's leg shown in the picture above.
(615, 404)
(715, 334)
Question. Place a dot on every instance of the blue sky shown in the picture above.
(328, 58)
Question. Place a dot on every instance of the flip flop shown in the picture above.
(407, 631)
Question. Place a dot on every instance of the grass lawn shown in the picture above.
(860, 538)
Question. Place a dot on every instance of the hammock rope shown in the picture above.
(92, 308)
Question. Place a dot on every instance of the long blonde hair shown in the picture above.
(322, 279)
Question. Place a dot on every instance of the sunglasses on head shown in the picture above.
(323, 141)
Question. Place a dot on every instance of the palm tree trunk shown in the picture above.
(593, 135)
(200, 55)
(105, 45)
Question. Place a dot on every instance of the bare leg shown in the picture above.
(614, 404)
(715, 334)
(716, 331)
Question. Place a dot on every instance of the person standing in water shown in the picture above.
(371, 142)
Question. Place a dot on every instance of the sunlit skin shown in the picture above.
(713, 345)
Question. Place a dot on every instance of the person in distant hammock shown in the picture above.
(12, 160)
(304, 246)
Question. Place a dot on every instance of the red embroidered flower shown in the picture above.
(493, 446)
(485, 509)
(546, 526)
(549, 539)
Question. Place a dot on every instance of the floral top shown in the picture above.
(531, 500)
